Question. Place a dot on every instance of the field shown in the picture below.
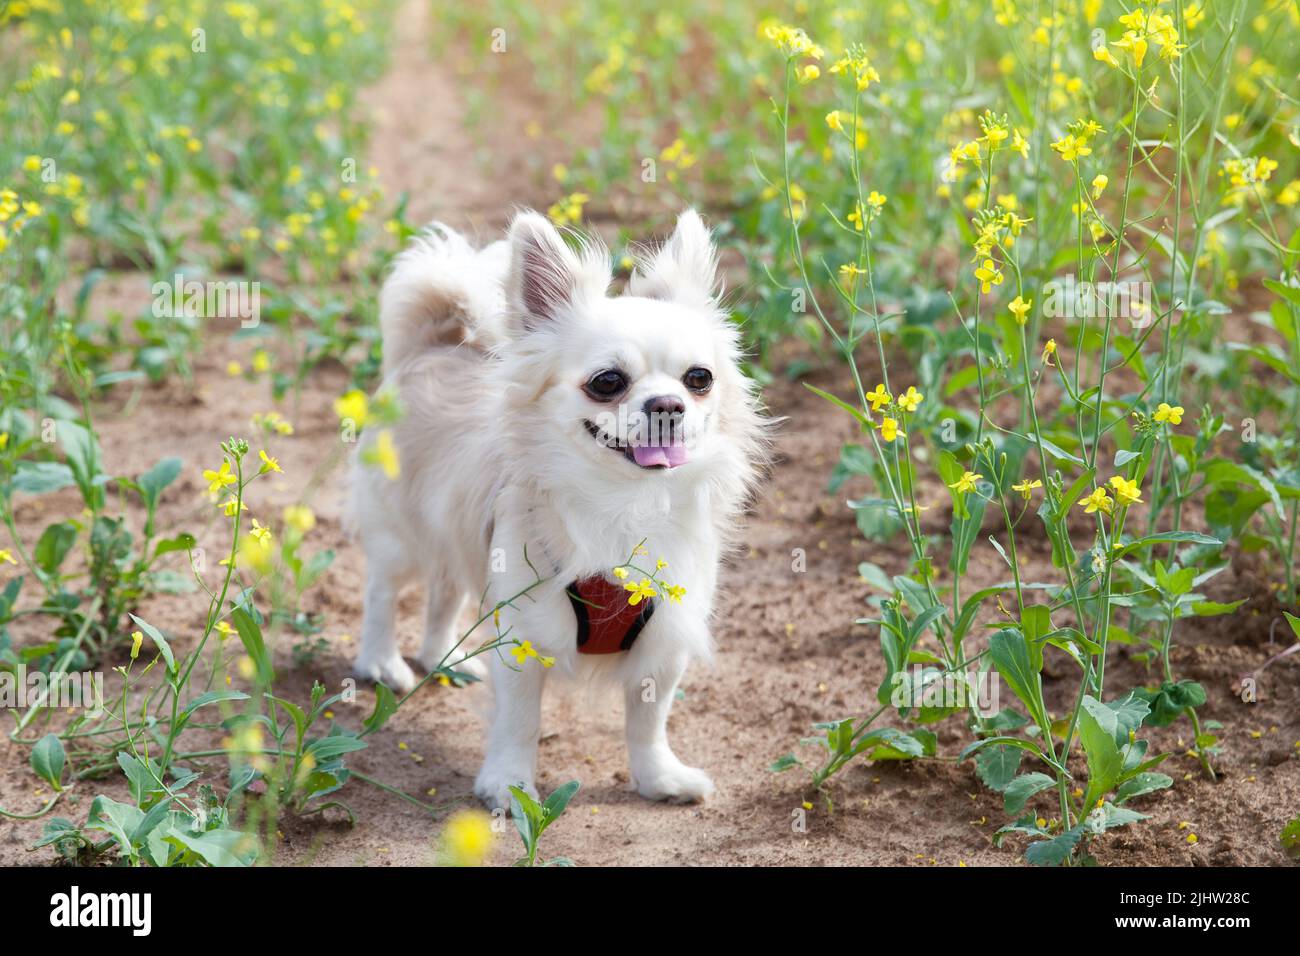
(1019, 280)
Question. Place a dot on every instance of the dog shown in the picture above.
(552, 432)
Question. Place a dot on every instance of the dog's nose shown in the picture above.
(669, 405)
(664, 419)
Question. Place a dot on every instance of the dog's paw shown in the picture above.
(493, 788)
(674, 782)
(391, 670)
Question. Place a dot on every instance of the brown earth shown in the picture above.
(789, 653)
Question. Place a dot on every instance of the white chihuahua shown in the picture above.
(548, 429)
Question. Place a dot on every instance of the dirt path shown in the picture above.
(788, 653)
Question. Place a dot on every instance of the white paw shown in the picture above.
(493, 787)
(672, 781)
(390, 670)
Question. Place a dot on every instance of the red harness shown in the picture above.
(607, 624)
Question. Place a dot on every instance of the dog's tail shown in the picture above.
(442, 291)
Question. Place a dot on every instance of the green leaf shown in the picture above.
(1019, 663)
(559, 799)
(1055, 851)
(1017, 793)
(41, 477)
(53, 546)
(840, 403)
(182, 542)
(160, 642)
(250, 634)
(218, 847)
(1097, 727)
(327, 748)
(783, 763)
(997, 766)
(1057, 451)
(1141, 784)
(385, 707)
(48, 759)
(1168, 537)
(153, 481)
(1215, 608)
(211, 697)
(1290, 838)
(118, 820)
(1288, 292)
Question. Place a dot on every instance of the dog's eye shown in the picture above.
(698, 380)
(606, 385)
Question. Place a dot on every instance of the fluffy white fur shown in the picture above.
(489, 351)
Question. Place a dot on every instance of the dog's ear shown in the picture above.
(685, 269)
(546, 276)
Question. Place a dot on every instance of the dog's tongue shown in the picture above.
(660, 456)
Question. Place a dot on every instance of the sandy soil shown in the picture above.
(788, 652)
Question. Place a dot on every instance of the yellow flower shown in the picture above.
(261, 534)
(1126, 491)
(467, 838)
(385, 455)
(1026, 488)
(1020, 308)
(879, 398)
(1173, 414)
(851, 270)
(1099, 183)
(1019, 144)
(526, 650)
(7, 556)
(261, 361)
(909, 401)
(989, 276)
(639, 591)
(234, 369)
(855, 217)
(219, 479)
(889, 429)
(966, 483)
(136, 640)
(1071, 147)
(809, 73)
(353, 406)
(1048, 351)
(1135, 45)
(835, 120)
(225, 630)
(300, 518)
(232, 505)
(620, 573)
(268, 463)
(675, 592)
(1103, 54)
(1097, 501)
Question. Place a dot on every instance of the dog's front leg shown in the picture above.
(512, 736)
(657, 774)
